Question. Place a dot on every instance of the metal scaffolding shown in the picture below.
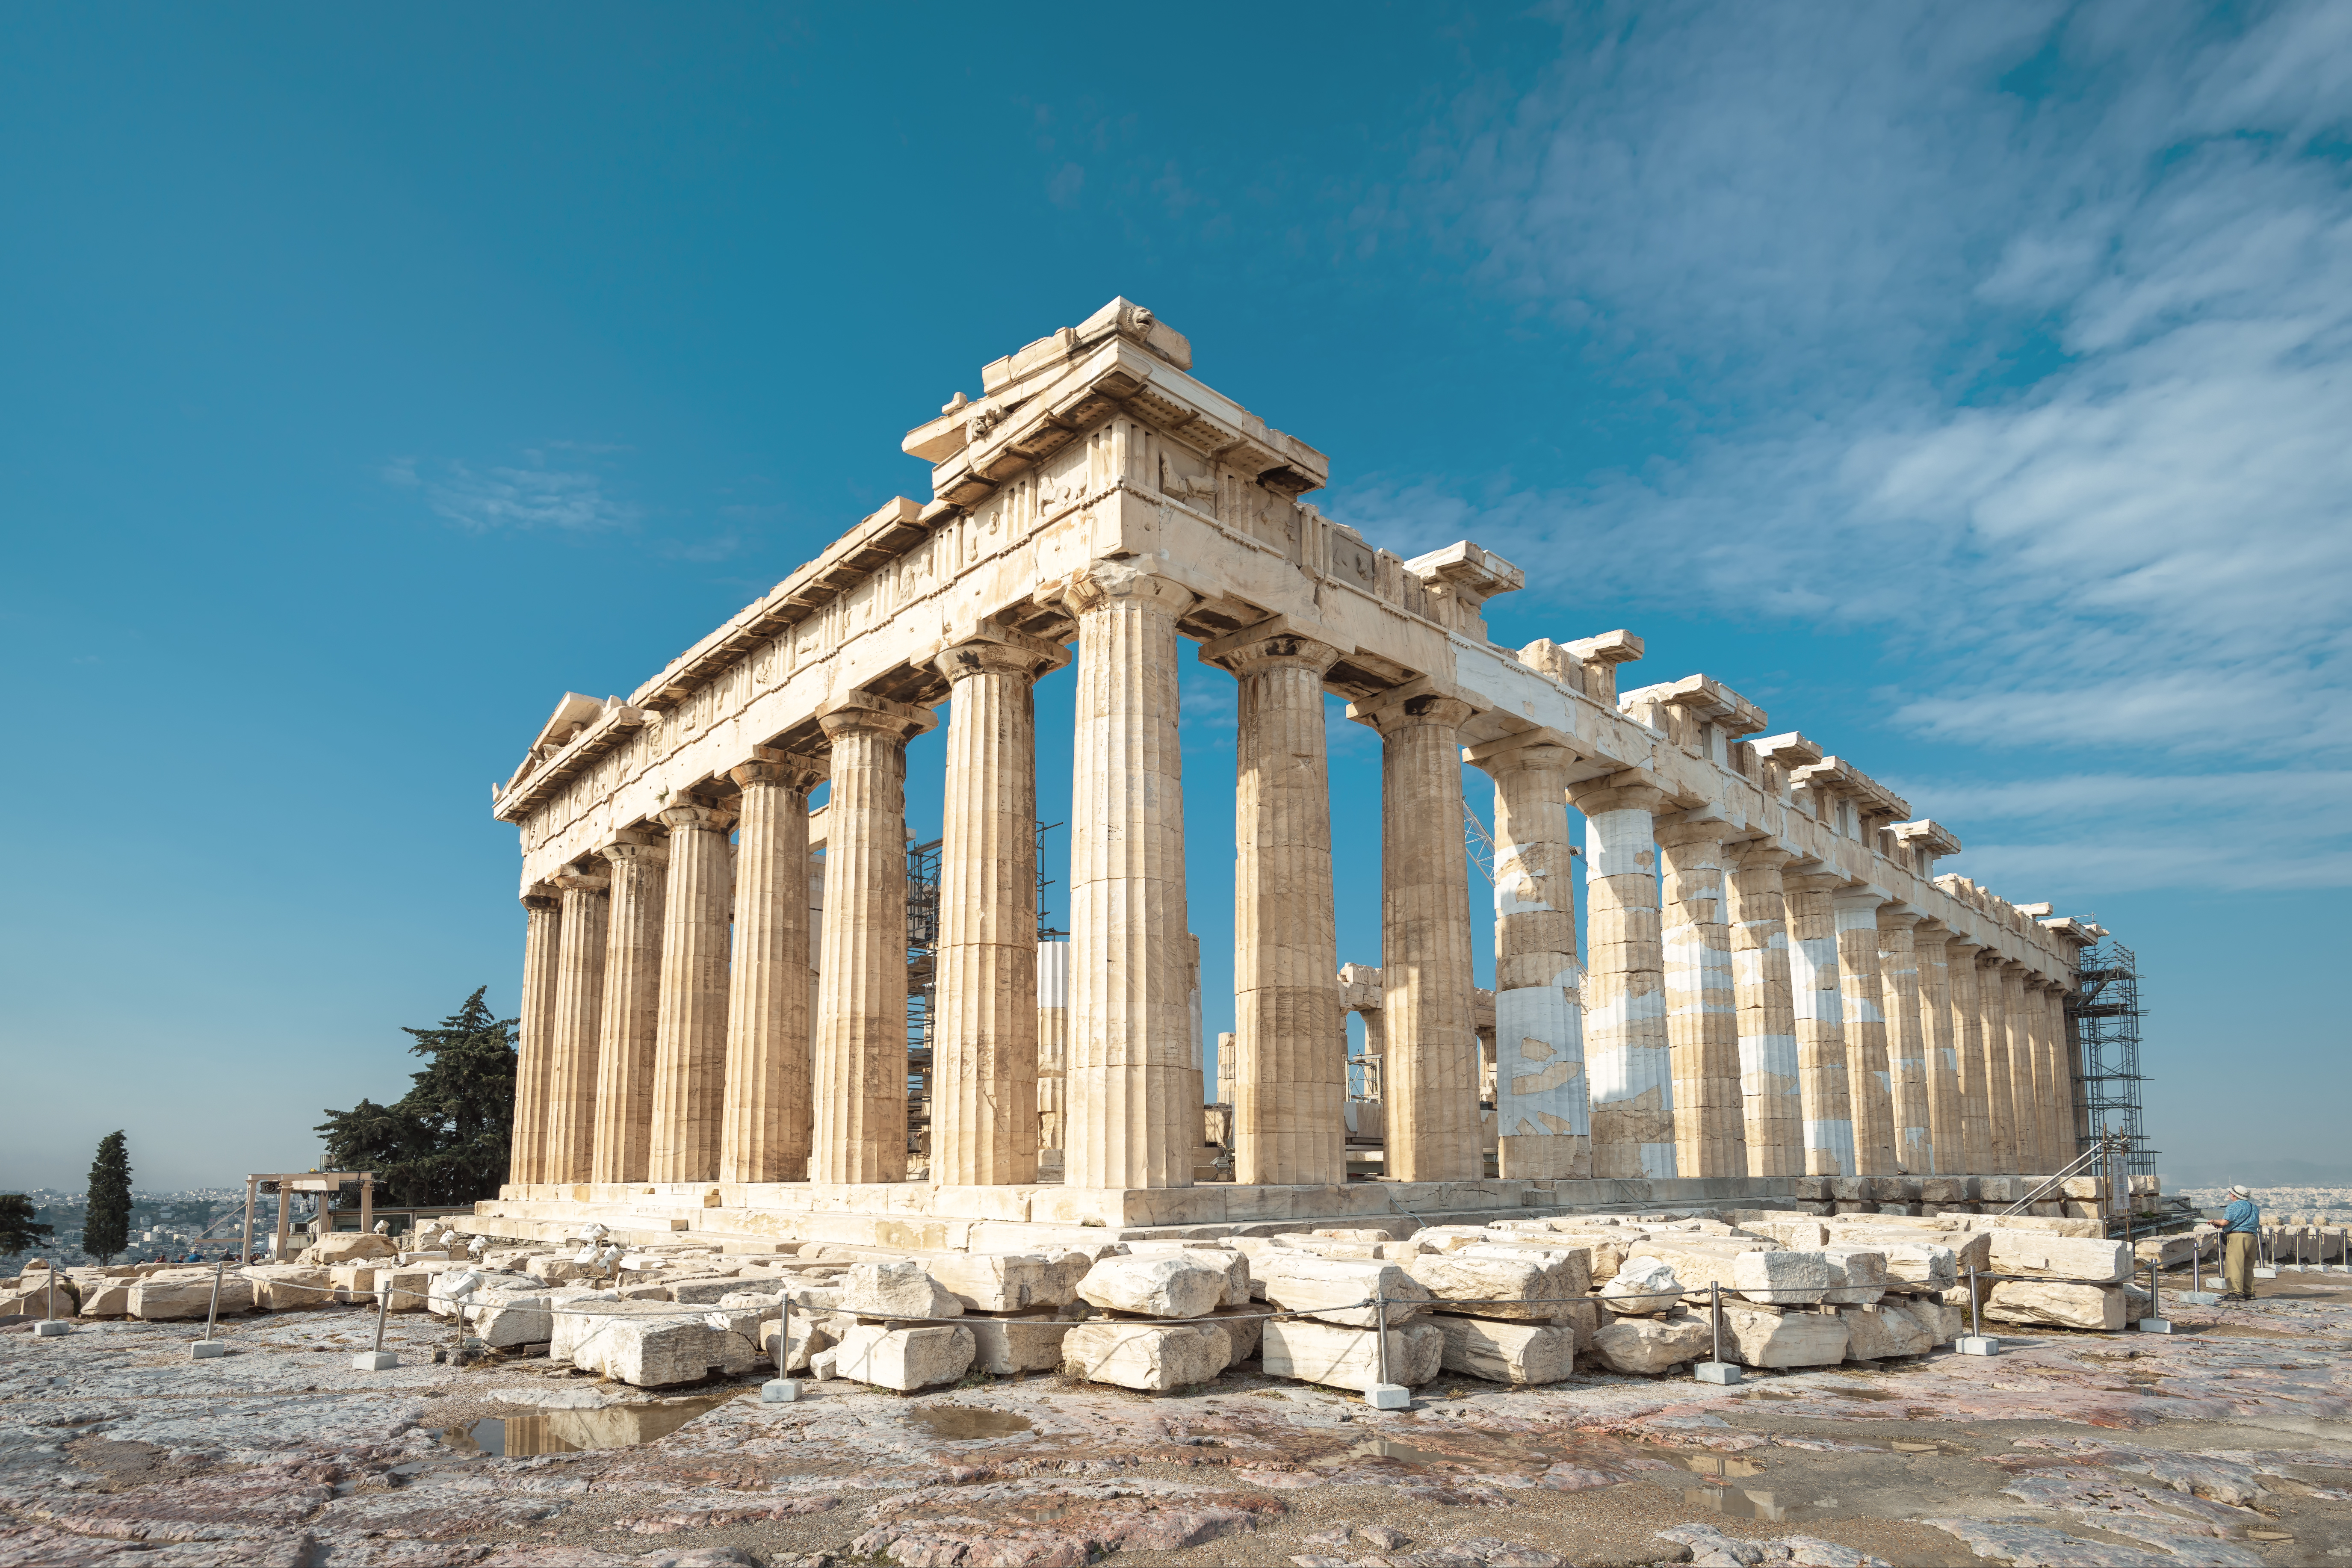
(2102, 1032)
(922, 981)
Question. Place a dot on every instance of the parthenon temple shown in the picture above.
(1775, 981)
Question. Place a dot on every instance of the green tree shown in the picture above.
(19, 1232)
(443, 1141)
(106, 1229)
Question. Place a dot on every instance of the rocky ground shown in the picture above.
(2229, 1442)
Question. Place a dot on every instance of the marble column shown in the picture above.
(1946, 1134)
(1968, 1035)
(1773, 1107)
(1429, 1068)
(2000, 1115)
(766, 1115)
(1626, 1052)
(1053, 1042)
(1907, 1040)
(1130, 1007)
(690, 1021)
(858, 1128)
(2061, 1050)
(1702, 1010)
(1542, 1122)
(2025, 1088)
(578, 1003)
(535, 1070)
(985, 1010)
(1289, 1084)
(1869, 1090)
(624, 1051)
(1821, 1022)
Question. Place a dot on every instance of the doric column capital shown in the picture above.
(1629, 791)
(988, 646)
(861, 712)
(636, 847)
(1682, 831)
(1499, 759)
(1100, 583)
(686, 814)
(1759, 855)
(791, 770)
(1815, 880)
(1268, 644)
(1901, 917)
(541, 898)
(1862, 896)
(1390, 713)
(575, 879)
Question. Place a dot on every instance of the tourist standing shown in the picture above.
(2240, 1225)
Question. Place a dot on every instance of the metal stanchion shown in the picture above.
(2155, 1321)
(1975, 1343)
(51, 1325)
(1717, 1370)
(782, 1389)
(377, 1358)
(209, 1348)
(1383, 1395)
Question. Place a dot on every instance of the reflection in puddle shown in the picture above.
(570, 1431)
(959, 1421)
(1390, 1448)
(1719, 1467)
(1737, 1502)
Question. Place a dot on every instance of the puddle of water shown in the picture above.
(1839, 1392)
(1390, 1448)
(1739, 1503)
(957, 1423)
(571, 1431)
(1721, 1466)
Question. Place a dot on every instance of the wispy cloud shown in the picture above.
(2052, 387)
(557, 486)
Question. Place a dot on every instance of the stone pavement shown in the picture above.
(2229, 1443)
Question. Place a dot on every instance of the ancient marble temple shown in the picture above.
(1775, 983)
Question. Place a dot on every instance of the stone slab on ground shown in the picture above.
(1155, 1357)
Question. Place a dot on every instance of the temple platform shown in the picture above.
(1020, 1218)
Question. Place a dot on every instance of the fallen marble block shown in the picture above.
(1244, 1326)
(1652, 1345)
(1786, 1277)
(500, 1319)
(903, 1359)
(1004, 1282)
(1516, 1288)
(347, 1246)
(290, 1287)
(1760, 1336)
(886, 1289)
(652, 1344)
(1156, 1357)
(1235, 1263)
(2091, 1259)
(1329, 1288)
(810, 1336)
(1155, 1285)
(702, 1289)
(103, 1299)
(1884, 1331)
(2100, 1306)
(1341, 1357)
(1645, 1284)
(35, 1301)
(1865, 1274)
(1515, 1353)
(1005, 1345)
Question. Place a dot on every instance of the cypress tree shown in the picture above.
(107, 1229)
(443, 1141)
(19, 1232)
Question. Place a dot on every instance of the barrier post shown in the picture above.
(2155, 1321)
(208, 1347)
(1717, 1370)
(782, 1389)
(377, 1358)
(1975, 1342)
(1383, 1395)
(51, 1325)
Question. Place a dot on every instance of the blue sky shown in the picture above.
(1967, 385)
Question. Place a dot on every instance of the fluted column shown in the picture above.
(1542, 1120)
(1820, 1023)
(1289, 1083)
(1702, 1010)
(1869, 1090)
(2071, 1130)
(1130, 1004)
(1626, 1052)
(1773, 1108)
(1968, 1034)
(765, 1119)
(1053, 1042)
(632, 1014)
(690, 1024)
(1907, 1040)
(1429, 1068)
(535, 1069)
(578, 1006)
(858, 1130)
(2025, 1069)
(1945, 1135)
(985, 1011)
(2001, 1113)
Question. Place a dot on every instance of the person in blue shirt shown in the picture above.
(2240, 1225)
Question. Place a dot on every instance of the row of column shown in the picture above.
(1763, 1019)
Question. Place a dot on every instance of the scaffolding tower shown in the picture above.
(2103, 1031)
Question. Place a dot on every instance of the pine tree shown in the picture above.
(19, 1232)
(106, 1230)
(445, 1141)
